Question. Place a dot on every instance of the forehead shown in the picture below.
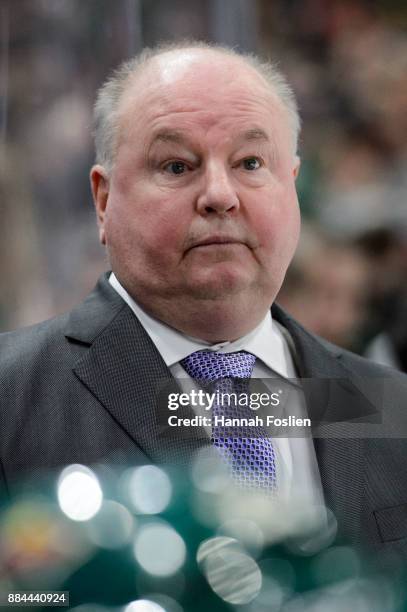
(198, 91)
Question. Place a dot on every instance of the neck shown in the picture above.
(209, 320)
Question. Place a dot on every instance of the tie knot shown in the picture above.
(208, 366)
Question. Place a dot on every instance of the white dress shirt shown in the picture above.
(297, 468)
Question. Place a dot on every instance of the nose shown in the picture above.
(217, 195)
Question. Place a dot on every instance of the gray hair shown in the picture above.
(106, 115)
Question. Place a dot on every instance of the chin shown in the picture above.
(219, 286)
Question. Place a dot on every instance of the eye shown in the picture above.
(175, 167)
(251, 163)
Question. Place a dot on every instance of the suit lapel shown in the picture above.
(332, 394)
(124, 371)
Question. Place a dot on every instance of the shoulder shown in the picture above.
(60, 339)
(385, 387)
(30, 340)
(323, 359)
(28, 353)
(361, 365)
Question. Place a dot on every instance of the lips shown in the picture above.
(213, 240)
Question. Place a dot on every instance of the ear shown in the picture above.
(296, 169)
(99, 181)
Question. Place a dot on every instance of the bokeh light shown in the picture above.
(112, 527)
(307, 528)
(214, 545)
(273, 517)
(169, 604)
(231, 573)
(209, 473)
(154, 602)
(317, 534)
(143, 605)
(335, 564)
(149, 489)
(278, 584)
(247, 532)
(365, 595)
(79, 493)
(159, 549)
(204, 508)
(39, 543)
(28, 530)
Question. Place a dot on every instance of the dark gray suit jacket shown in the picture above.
(83, 387)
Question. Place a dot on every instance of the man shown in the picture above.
(194, 189)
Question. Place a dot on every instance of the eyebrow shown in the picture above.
(173, 136)
(169, 136)
(254, 134)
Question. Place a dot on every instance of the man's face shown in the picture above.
(201, 203)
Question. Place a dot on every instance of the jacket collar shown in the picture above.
(338, 398)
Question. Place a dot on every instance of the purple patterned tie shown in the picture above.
(249, 452)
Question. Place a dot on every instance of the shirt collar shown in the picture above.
(266, 341)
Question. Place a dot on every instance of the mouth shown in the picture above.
(216, 241)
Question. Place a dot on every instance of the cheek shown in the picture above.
(289, 222)
(145, 227)
(278, 222)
